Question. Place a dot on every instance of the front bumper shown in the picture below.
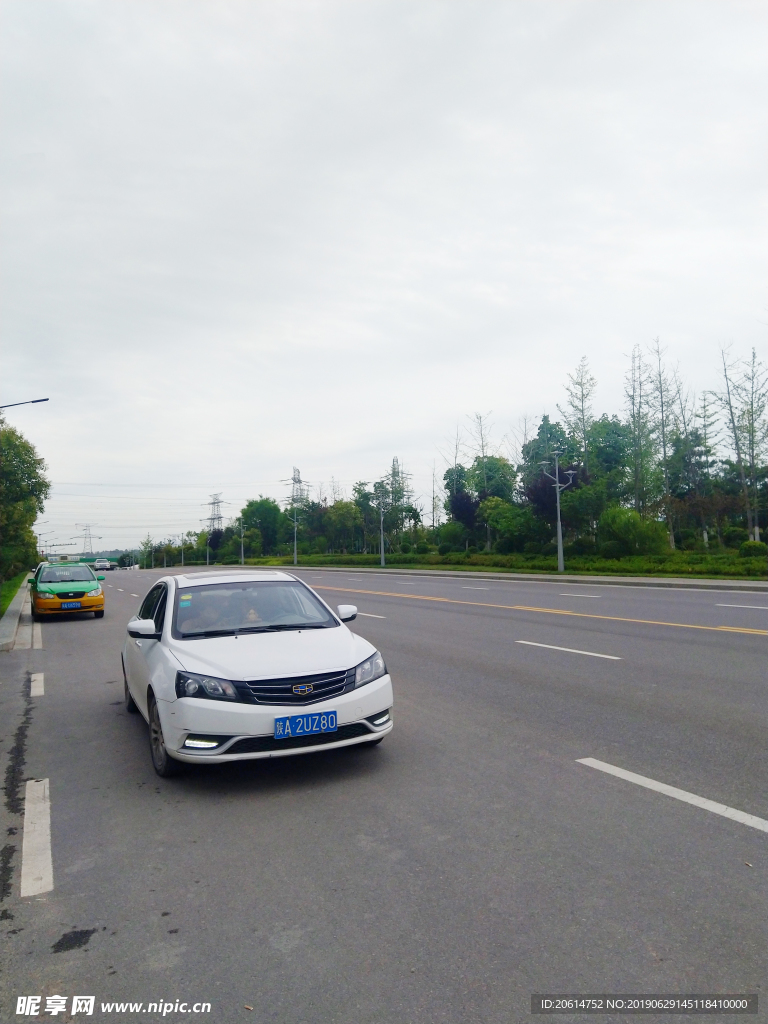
(244, 722)
(87, 604)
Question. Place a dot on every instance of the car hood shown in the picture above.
(252, 656)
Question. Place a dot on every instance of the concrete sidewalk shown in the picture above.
(9, 623)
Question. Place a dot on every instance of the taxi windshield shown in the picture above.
(222, 609)
(66, 574)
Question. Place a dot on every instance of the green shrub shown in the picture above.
(735, 536)
(548, 549)
(422, 548)
(444, 549)
(633, 534)
(405, 547)
(610, 549)
(582, 546)
(532, 548)
(753, 549)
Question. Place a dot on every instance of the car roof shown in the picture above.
(197, 579)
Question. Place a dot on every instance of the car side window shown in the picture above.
(159, 615)
(147, 610)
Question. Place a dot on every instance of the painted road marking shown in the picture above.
(120, 590)
(570, 650)
(475, 588)
(36, 862)
(134, 595)
(369, 615)
(679, 794)
(578, 595)
(37, 684)
(760, 607)
(37, 636)
(547, 611)
(109, 585)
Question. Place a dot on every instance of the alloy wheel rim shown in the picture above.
(156, 737)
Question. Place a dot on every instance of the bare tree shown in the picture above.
(753, 425)
(452, 452)
(578, 416)
(481, 436)
(662, 396)
(636, 396)
(728, 401)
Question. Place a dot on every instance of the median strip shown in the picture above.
(678, 794)
(547, 611)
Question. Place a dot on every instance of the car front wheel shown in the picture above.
(98, 615)
(164, 764)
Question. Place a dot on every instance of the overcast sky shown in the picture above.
(239, 237)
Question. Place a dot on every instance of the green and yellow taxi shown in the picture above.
(66, 588)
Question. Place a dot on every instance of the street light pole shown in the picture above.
(559, 487)
(32, 401)
(381, 531)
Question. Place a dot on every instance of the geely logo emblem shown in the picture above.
(303, 688)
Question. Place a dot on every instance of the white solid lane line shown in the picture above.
(37, 684)
(475, 588)
(36, 862)
(569, 650)
(579, 595)
(679, 794)
(369, 615)
(760, 607)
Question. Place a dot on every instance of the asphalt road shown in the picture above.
(445, 875)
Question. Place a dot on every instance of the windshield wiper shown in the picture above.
(299, 625)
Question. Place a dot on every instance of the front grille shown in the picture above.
(280, 691)
(69, 597)
(262, 744)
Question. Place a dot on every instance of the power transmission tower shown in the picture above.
(215, 519)
(88, 537)
(298, 494)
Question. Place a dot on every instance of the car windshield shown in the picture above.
(223, 609)
(67, 574)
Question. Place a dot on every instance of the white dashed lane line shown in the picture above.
(579, 595)
(758, 607)
(678, 794)
(120, 590)
(370, 615)
(134, 595)
(569, 650)
(36, 862)
(475, 588)
(37, 684)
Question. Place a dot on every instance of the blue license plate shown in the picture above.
(71, 604)
(305, 725)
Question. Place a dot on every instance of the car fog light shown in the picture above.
(198, 743)
(381, 719)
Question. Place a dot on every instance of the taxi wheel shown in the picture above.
(98, 615)
(164, 764)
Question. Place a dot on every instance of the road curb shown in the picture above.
(598, 581)
(10, 621)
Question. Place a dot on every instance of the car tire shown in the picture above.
(130, 704)
(98, 615)
(163, 763)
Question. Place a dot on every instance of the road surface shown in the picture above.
(468, 861)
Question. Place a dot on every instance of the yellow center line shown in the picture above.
(547, 611)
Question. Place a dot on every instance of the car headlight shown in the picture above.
(45, 595)
(189, 684)
(96, 592)
(369, 670)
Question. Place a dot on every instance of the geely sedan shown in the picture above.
(228, 666)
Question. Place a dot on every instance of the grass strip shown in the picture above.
(9, 590)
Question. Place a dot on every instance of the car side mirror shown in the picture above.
(143, 629)
(347, 612)
(100, 577)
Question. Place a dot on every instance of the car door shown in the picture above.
(136, 650)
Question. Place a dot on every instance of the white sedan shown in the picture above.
(233, 665)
